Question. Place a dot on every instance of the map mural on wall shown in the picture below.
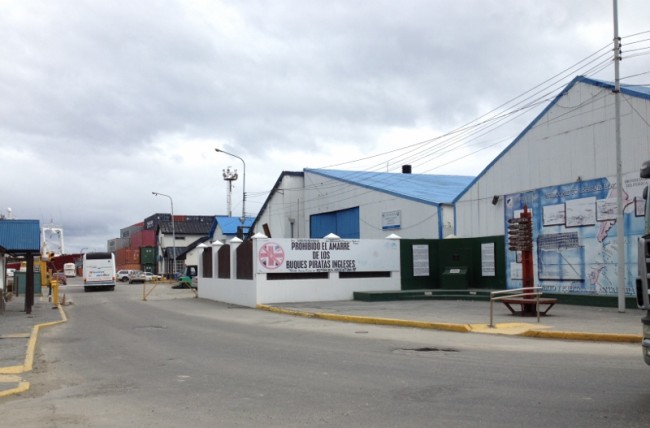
(575, 247)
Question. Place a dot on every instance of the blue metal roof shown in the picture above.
(425, 188)
(229, 225)
(636, 91)
(20, 236)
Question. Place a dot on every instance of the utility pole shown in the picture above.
(620, 225)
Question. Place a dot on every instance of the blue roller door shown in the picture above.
(343, 223)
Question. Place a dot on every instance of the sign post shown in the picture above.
(520, 238)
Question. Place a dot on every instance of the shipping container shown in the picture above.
(127, 232)
(117, 243)
(148, 255)
(143, 238)
(127, 256)
(129, 266)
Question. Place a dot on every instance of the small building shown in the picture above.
(224, 228)
(21, 238)
(173, 237)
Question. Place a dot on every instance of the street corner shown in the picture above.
(509, 328)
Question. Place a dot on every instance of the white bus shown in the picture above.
(99, 271)
(70, 270)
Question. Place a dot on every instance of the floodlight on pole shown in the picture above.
(230, 176)
(173, 229)
(243, 204)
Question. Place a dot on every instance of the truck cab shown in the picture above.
(642, 296)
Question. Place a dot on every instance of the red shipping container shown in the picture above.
(143, 238)
(125, 256)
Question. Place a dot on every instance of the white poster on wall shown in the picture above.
(580, 212)
(420, 260)
(391, 220)
(487, 259)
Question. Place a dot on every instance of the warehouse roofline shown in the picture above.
(635, 91)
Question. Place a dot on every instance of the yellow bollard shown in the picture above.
(55, 292)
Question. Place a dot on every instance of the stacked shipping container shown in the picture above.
(143, 238)
(148, 258)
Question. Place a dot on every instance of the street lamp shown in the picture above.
(173, 229)
(243, 204)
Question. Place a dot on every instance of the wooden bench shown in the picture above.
(525, 301)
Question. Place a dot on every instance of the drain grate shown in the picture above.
(428, 349)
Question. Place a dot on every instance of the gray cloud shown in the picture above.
(107, 101)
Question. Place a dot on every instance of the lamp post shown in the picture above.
(243, 204)
(173, 229)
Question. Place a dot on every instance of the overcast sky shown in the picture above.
(102, 103)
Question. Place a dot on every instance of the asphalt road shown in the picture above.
(176, 361)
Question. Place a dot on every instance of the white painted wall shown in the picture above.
(262, 291)
(192, 257)
(235, 292)
(321, 290)
(285, 205)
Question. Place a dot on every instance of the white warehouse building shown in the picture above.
(563, 167)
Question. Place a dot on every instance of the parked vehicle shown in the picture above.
(189, 279)
(70, 270)
(137, 276)
(99, 271)
(123, 275)
(642, 293)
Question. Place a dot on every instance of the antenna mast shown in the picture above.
(229, 176)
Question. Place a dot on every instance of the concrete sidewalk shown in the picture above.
(18, 336)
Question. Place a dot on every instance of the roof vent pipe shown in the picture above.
(406, 169)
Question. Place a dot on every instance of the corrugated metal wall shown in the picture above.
(573, 141)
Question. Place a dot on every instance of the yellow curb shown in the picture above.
(9, 378)
(12, 369)
(22, 387)
(31, 345)
(29, 357)
(15, 336)
(578, 335)
(460, 328)
(514, 329)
